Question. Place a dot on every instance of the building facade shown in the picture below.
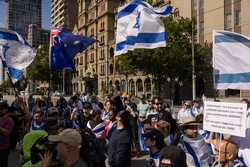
(64, 13)
(38, 36)
(20, 14)
(95, 66)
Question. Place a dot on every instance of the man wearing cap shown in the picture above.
(68, 149)
(197, 151)
(6, 127)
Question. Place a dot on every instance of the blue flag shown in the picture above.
(64, 46)
(15, 53)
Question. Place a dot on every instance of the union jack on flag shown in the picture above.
(64, 46)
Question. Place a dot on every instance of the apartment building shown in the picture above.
(20, 14)
(64, 13)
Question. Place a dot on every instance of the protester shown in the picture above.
(164, 128)
(155, 141)
(185, 111)
(109, 106)
(172, 156)
(32, 148)
(143, 109)
(96, 124)
(37, 122)
(196, 149)
(111, 124)
(197, 108)
(226, 155)
(6, 126)
(120, 142)
(68, 148)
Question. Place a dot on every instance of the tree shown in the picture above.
(39, 69)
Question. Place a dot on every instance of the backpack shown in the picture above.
(92, 149)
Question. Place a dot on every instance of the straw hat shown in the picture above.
(189, 120)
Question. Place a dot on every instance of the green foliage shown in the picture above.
(5, 85)
(39, 69)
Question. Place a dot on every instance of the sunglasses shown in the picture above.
(157, 103)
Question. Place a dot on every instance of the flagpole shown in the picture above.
(114, 72)
(63, 82)
(193, 61)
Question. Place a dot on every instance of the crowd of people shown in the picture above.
(86, 132)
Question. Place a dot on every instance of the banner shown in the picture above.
(226, 118)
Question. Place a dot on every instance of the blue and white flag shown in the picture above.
(64, 46)
(139, 26)
(16, 54)
(231, 55)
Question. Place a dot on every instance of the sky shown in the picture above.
(45, 14)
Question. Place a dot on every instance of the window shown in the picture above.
(237, 18)
(111, 52)
(81, 61)
(92, 32)
(228, 20)
(92, 57)
(102, 26)
(102, 40)
(102, 69)
(147, 84)
(111, 69)
(139, 85)
(102, 53)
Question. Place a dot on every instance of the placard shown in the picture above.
(226, 118)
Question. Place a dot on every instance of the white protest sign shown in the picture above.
(227, 118)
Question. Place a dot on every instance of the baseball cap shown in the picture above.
(68, 136)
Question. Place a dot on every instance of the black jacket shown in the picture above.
(119, 148)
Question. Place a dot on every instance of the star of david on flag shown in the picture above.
(139, 26)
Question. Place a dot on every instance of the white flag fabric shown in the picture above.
(15, 53)
(139, 26)
(231, 60)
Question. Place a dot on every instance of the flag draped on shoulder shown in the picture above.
(16, 54)
(231, 55)
(64, 46)
(139, 26)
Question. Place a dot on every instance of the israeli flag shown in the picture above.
(139, 26)
(231, 55)
(16, 54)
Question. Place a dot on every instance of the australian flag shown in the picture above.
(64, 46)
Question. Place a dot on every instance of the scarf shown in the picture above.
(198, 150)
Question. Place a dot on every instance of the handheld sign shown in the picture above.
(227, 118)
